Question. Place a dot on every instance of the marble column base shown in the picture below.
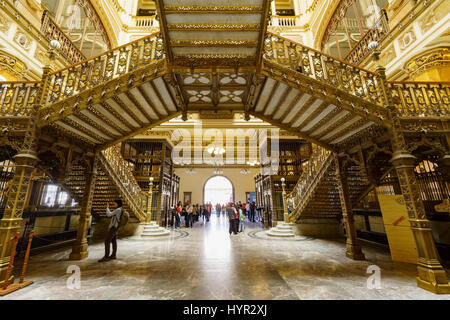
(78, 255)
(151, 229)
(433, 280)
(355, 252)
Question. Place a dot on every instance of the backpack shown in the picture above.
(124, 217)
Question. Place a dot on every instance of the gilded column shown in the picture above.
(25, 162)
(80, 246)
(431, 275)
(285, 208)
(354, 250)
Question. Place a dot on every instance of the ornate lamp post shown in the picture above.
(152, 229)
(149, 202)
(285, 211)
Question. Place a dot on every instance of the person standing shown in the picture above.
(178, 216)
(208, 211)
(113, 229)
(189, 214)
(195, 213)
(231, 211)
(241, 219)
(217, 210)
(252, 211)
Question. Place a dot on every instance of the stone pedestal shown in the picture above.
(283, 230)
(151, 229)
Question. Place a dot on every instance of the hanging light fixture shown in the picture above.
(191, 171)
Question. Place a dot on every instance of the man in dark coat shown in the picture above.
(231, 211)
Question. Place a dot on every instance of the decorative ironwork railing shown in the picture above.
(145, 21)
(283, 21)
(420, 99)
(52, 31)
(319, 66)
(18, 98)
(377, 32)
(318, 164)
(120, 172)
(107, 66)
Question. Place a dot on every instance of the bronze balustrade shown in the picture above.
(120, 170)
(322, 67)
(304, 189)
(52, 31)
(105, 67)
(377, 33)
(18, 98)
(420, 99)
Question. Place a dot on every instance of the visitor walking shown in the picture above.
(113, 229)
(218, 210)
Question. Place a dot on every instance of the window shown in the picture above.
(49, 196)
(350, 21)
(79, 21)
(62, 198)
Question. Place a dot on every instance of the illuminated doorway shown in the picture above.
(218, 189)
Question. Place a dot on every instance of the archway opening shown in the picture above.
(218, 189)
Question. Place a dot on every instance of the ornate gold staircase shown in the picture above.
(316, 194)
(114, 180)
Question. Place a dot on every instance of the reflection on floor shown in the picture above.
(211, 264)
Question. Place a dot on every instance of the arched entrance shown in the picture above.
(218, 189)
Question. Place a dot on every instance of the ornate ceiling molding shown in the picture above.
(434, 58)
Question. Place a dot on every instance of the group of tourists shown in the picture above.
(236, 213)
(195, 213)
(191, 213)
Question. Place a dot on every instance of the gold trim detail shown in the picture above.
(212, 9)
(213, 43)
(213, 27)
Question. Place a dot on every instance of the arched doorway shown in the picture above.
(218, 189)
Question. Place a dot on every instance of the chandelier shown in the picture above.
(253, 163)
(245, 171)
(191, 171)
(215, 150)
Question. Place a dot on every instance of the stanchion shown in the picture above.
(23, 283)
(6, 289)
(15, 286)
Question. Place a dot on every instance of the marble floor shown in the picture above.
(205, 262)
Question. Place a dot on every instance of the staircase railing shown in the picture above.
(121, 174)
(52, 31)
(319, 66)
(377, 32)
(18, 98)
(105, 67)
(420, 99)
(318, 164)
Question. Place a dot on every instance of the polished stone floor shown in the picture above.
(205, 262)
